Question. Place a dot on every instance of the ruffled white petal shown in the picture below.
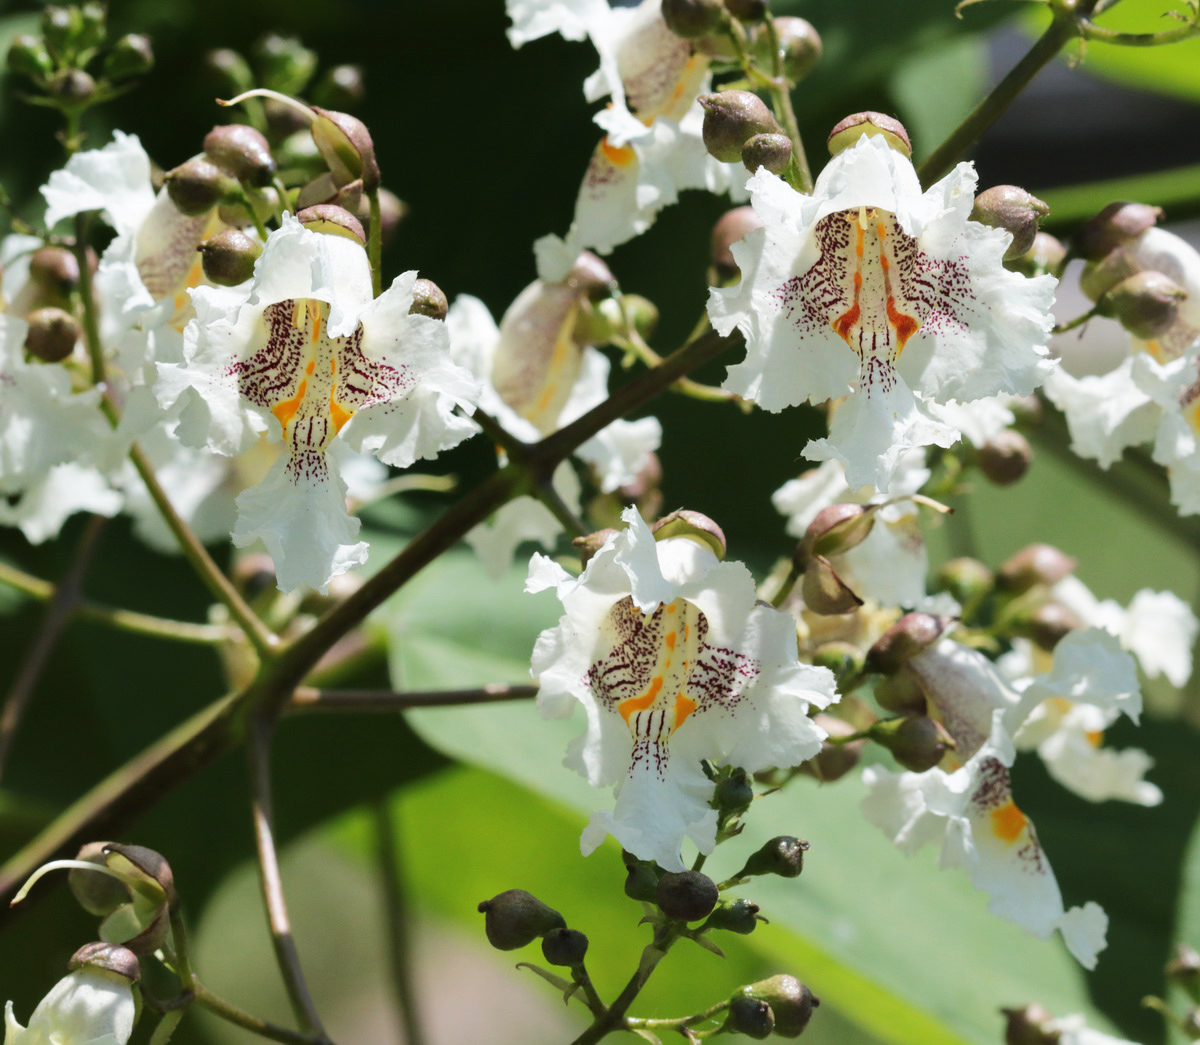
(88, 1007)
(114, 180)
(1105, 413)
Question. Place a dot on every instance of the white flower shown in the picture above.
(88, 1007)
(303, 351)
(1073, 1030)
(673, 662)
(873, 289)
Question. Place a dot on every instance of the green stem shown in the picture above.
(613, 1017)
(939, 162)
(789, 582)
(375, 241)
(166, 1026)
(682, 1021)
(399, 922)
(1071, 324)
(91, 322)
(633, 344)
(1090, 31)
(307, 699)
(241, 1018)
(798, 174)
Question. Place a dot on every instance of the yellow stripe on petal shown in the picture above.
(1008, 822)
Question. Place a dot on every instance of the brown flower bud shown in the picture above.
(800, 44)
(1045, 255)
(52, 334)
(1011, 208)
(228, 257)
(782, 856)
(910, 635)
(515, 918)
(132, 55)
(867, 125)
(1029, 1026)
(773, 151)
(1005, 457)
(790, 1000)
(823, 590)
(1146, 304)
(428, 300)
(901, 694)
(346, 146)
(838, 528)
(966, 579)
(333, 221)
(730, 228)
(747, 10)
(195, 187)
(72, 87)
(564, 947)
(1034, 564)
(98, 894)
(110, 957)
(917, 742)
(685, 523)
(242, 151)
(750, 1016)
(686, 896)
(1114, 226)
(730, 118)
(692, 18)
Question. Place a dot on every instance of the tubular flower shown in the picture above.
(303, 352)
(674, 663)
(873, 289)
(88, 1007)
(966, 803)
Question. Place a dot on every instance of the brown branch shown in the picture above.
(306, 699)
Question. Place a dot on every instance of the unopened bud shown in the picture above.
(968, 580)
(833, 761)
(1113, 227)
(598, 323)
(195, 187)
(917, 742)
(60, 26)
(231, 70)
(823, 590)
(92, 26)
(591, 276)
(564, 947)
(844, 659)
(254, 574)
(1005, 457)
(790, 1000)
(591, 543)
(910, 635)
(228, 257)
(1184, 969)
(641, 878)
(730, 118)
(242, 151)
(735, 916)
(52, 334)
(515, 918)
(750, 1016)
(799, 43)
(98, 894)
(346, 146)
(1049, 624)
(693, 18)
(1099, 277)
(733, 794)
(686, 896)
(143, 863)
(1045, 255)
(1146, 304)
(901, 694)
(838, 528)
(1034, 564)
(1011, 208)
(783, 856)
(132, 55)
(867, 125)
(1029, 1026)
(697, 527)
(340, 87)
(287, 65)
(109, 957)
(718, 46)
(730, 229)
(27, 56)
(747, 10)
(643, 313)
(429, 300)
(773, 151)
(72, 86)
(332, 221)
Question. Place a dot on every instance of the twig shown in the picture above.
(241, 1018)
(307, 699)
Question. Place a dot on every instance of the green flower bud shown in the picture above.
(242, 151)
(837, 528)
(800, 44)
(693, 18)
(783, 855)
(429, 300)
(731, 228)
(60, 27)
(195, 187)
(968, 580)
(27, 56)
(686, 896)
(773, 151)
(790, 1000)
(1013, 209)
(735, 916)
(107, 956)
(599, 323)
(52, 334)
(92, 26)
(900, 694)
(340, 87)
(1034, 564)
(823, 590)
(228, 257)
(1005, 457)
(346, 146)
(286, 64)
(918, 742)
(1146, 304)
(685, 523)
(132, 55)
(564, 947)
(1046, 255)
(231, 70)
(868, 124)
(730, 118)
(749, 1016)
(1114, 226)
(717, 46)
(911, 634)
(97, 894)
(747, 10)
(844, 659)
(1029, 1026)
(734, 793)
(833, 761)
(1184, 969)
(1099, 277)
(643, 313)
(72, 87)
(515, 918)
(143, 923)
(332, 221)
(641, 878)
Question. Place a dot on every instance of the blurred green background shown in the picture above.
(486, 146)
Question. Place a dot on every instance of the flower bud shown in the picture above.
(838, 528)
(287, 65)
(968, 580)
(692, 18)
(92, 26)
(799, 43)
(429, 300)
(735, 916)
(685, 523)
(242, 151)
(195, 187)
(72, 86)
(844, 659)
(911, 634)
(917, 742)
(1005, 457)
(730, 118)
(97, 894)
(1027, 411)
(332, 221)
(340, 87)
(55, 270)
(60, 26)
(231, 70)
(346, 146)
(599, 323)
(1114, 226)
(228, 257)
(900, 694)
(110, 957)
(747, 10)
(514, 918)
(1099, 277)
(1013, 209)
(641, 878)
(591, 543)
(734, 793)
(749, 1016)
(790, 1000)
(132, 55)
(1146, 304)
(823, 590)
(686, 896)
(27, 56)
(1034, 564)
(782, 855)
(1046, 255)
(564, 947)
(142, 923)
(1029, 1026)
(643, 313)
(52, 334)
(591, 276)
(868, 124)
(730, 229)
(1049, 624)
(773, 151)
(833, 761)
(254, 574)
(1184, 969)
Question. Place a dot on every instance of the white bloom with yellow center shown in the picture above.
(88, 1007)
(303, 352)
(873, 289)
(674, 663)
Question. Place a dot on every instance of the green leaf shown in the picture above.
(937, 86)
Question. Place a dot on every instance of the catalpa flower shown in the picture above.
(303, 352)
(872, 289)
(91, 1006)
(674, 663)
